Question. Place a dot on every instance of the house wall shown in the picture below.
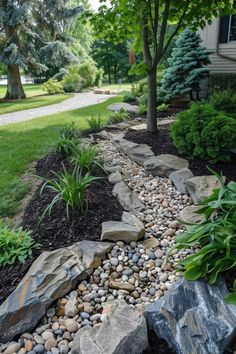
(209, 37)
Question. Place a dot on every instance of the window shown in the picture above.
(232, 28)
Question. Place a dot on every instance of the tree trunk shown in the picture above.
(15, 88)
(152, 101)
(115, 73)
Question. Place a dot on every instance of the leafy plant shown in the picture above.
(70, 188)
(95, 123)
(70, 132)
(129, 97)
(162, 107)
(203, 132)
(142, 109)
(224, 101)
(53, 87)
(15, 244)
(66, 147)
(86, 158)
(215, 236)
(118, 116)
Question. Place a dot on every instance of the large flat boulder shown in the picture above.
(201, 187)
(122, 105)
(51, 276)
(179, 179)
(123, 332)
(128, 200)
(194, 318)
(189, 215)
(164, 165)
(138, 153)
(121, 231)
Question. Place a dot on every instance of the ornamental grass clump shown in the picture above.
(69, 140)
(87, 158)
(71, 188)
(16, 244)
(119, 116)
(95, 123)
(215, 237)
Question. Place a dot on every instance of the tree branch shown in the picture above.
(163, 31)
(146, 48)
(154, 24)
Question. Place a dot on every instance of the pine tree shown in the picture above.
(187, 66)
(31, 38)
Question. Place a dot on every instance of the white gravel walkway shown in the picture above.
(79, 100)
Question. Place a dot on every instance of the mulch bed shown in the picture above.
(161, 143)
(57, 231)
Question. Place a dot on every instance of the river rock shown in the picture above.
(193, 317)
(120, 231)
(179, 179)
(122, 105)
(164, 165)
(51, 276)
(201, 187)
(128, 200)
(124, 331)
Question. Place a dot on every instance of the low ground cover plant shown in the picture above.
(15, 244)
(70, 188)
(224, 101)
(118, 116)
(142, 109)
(129, 97)
(215, 236)
(86, 158)
(162, 107)
(203, 132)
(95, 123)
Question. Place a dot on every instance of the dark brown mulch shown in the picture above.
(161, 143)
(57, 231)
(157, 346)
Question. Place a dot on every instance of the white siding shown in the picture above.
(219, 65)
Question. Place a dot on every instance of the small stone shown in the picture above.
(39, 348)
(71, 325)
(12, 348)
(114, 261)
(50, 343)
(163, 277)
(51, 312)
(71, 308)
(28, 345)
(84, 315)
(47, 335)
(82, 287)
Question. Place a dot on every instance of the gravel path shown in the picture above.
(79, 100)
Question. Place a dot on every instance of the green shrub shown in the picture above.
(118, 116)
(215, 236)
(72, 81)
(143, 100)
(99, 77)
(203, 132)
(87, 158)
(142, 109)
(70, 188)
(224, 101)
(70, 132)
(66, 147)
(95, 123)
(129, 97)
(88, 72)
(15, 244)
(162, 107)
(222, 82)
(53, 87)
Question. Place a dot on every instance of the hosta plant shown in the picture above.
(215, 237)
(95, 123)
(70, 188)
(119, 116)
(86, 158)
(15, 244)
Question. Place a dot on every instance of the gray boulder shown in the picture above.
(194, 318)
(179, 179)
(115, 177)
(131, 219)
(120, 231)
(189, 215)
(201, 187)
(126, 106)
(164, 165)
(139, 153)
(128, 200)
(123, 332)
(51, 276)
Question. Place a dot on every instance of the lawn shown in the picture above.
(35, 99)
(124, 87)
(24, 142)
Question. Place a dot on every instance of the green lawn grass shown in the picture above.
(124, 87)
(32, 102)
(24, 142)
(30, 90)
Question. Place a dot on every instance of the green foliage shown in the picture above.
(142, 109)
(72, 81)
(88, 72)
(95, 123)
(143, 100)
(219, 81)
(118, 116)
(11, 196)
(187, 65)
(215, 236)
(87, 158)
(162, 107)
(15, 244)
(224, 101)
(53, 87)
(203, 132)
(66, 147)
(70, 188)
(129, 97)
(70, 131)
